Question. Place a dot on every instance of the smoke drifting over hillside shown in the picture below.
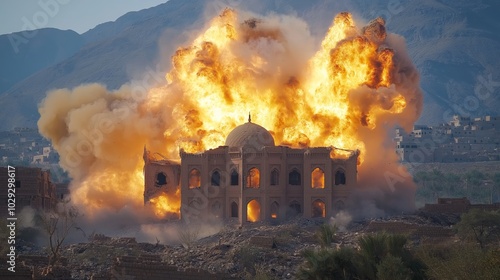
(348, 93)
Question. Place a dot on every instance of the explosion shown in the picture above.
(348, 94)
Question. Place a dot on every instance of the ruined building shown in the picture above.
(252, 179)
(33, 188)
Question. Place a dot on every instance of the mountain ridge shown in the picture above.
(452, 44)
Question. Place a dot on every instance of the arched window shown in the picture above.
(253, 178)
(318, 178)
(275, 207)
(318, 209)
(161, 179)
(215, 179)
(234, 178)
(339, 205)
(294, 178)
(339, 177)
(294, 209)
(234, 210)
(253, 211)
(275, 177)
(194, 178)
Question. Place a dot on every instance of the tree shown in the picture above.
(375, 248)
(57, 225)
(380, 256)
(393, 268)
(327, 263)
(460, 261)
(479, 225)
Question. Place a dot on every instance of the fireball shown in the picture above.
(358, 79)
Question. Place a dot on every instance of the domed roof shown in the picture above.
(249, 134)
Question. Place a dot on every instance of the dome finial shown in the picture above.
(249, 117)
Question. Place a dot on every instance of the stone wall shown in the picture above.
(425, 233)
(152, 268)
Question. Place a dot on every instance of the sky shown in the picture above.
(78, 15)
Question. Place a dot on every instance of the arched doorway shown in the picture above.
(216, 209)
(275, 207)
(294, 209)
(253, 211)
(339, 206)
(318, 209)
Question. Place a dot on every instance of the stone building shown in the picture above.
(33, 188)
(463, 139)
(252, 179)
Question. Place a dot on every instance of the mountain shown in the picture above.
(110, 57)
(24, 53)
(454, 44)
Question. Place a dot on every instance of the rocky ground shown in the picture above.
(241, 252)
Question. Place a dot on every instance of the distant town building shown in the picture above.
(463, 139)
(458, 206)
(33, 188)
(24, 147)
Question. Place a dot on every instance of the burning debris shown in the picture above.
(347, 94)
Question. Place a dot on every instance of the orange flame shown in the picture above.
(166, 206)
(318, 178)
(253, 211)
(226, 71)
(354, 82)
(253, 178)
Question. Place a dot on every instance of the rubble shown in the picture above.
(233, 253)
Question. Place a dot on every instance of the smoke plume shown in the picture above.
(349, 92)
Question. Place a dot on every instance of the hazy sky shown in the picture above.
(78, 15)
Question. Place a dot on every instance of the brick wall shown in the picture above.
(35, 189)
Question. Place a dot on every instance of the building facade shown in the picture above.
(252, 179)
(33, 187)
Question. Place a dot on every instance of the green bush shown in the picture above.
(326, 234)
(380, 256)
(460, 261)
